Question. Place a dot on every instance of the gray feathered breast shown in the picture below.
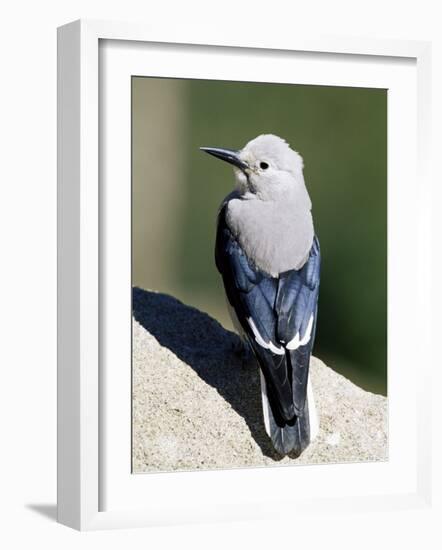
(276, 236)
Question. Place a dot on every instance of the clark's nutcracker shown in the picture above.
(268, 255)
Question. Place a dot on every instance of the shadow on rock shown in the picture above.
(208, 348)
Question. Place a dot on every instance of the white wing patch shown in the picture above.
(294, 344)
(297, 342)
(267, 345)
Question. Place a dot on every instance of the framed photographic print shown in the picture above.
(231, 330)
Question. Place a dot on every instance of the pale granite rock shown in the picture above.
(195, 406)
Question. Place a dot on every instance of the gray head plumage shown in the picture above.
(269, 212)
(267, 167)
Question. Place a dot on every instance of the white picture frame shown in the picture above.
(82, 468)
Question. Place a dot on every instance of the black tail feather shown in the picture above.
(292, 438)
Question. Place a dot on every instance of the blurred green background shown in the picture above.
(342, 135)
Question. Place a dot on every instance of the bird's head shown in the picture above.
(266, 166)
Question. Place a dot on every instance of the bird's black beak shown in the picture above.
(230, 156)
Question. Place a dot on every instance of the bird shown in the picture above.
(268, 255)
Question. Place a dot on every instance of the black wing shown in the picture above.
(276, 314)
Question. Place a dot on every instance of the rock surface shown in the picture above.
(196, 406)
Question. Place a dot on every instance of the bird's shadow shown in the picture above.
(209, 349)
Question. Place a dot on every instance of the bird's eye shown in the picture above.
(263, 165)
